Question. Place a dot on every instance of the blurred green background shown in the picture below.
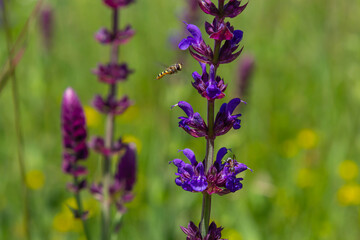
(300, 128)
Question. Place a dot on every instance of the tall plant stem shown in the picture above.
(81, 210)
(109, 139)
(18, 130)
(209, 159)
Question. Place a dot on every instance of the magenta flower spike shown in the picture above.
(74, 134)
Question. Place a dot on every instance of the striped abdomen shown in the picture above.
(170, 70)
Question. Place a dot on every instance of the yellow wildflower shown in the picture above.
(307, 138)
(35, 179)
(92, 116)
(348, 170)
(349, 194)
(63, 221)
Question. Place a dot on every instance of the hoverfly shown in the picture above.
(231, 162)
(170, 70)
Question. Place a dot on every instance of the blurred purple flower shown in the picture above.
(224, 120)
(98, 145)
(117, 3)
(246, 69)
(46, 20)
(104, 36)
(74, 134)
(123, 182)
(193, 232)
(111, 105)
(209, 87)
(194, 124)
(191, 177)
(112, 72)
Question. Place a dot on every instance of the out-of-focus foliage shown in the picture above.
(300, 128)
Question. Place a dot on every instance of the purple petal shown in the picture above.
(233, 104)
(186, 107)
(221, 153)
(190, 155)
(195, 32)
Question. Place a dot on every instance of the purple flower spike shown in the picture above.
(117, 3)
(112, 73)
(194, 124)
(47, 25)
(191, 177)
(126, 170)
(224, 121)
(74, 134)
(104, 36)
(111, 105)
(193, 232)
(210, 87)
(233, 8)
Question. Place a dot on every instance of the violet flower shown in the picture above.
(222, 175)
(224, 120)
(193, 232)
(191, 177)
(193, 124)
(210, 87)
(74, 136)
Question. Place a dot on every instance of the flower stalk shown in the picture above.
(209, 176)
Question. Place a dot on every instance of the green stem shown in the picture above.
(18, 129)
(209, 159)
(81, 211)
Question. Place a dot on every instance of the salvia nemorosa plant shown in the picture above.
(115, 187)
(208, 176)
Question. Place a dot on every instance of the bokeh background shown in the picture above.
(300, 128)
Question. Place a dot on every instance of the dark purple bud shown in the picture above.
(74, 133)
(233, 8)
(193, 232)
(191, 177)
(224, 120)
(76, 188)
(194, 124)
(47, 25)
(126, 170)
(117, 3)
(112, 72)
(98, 145)
(104, 36)
(111, 105)
(246, 69)
(208, 7)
